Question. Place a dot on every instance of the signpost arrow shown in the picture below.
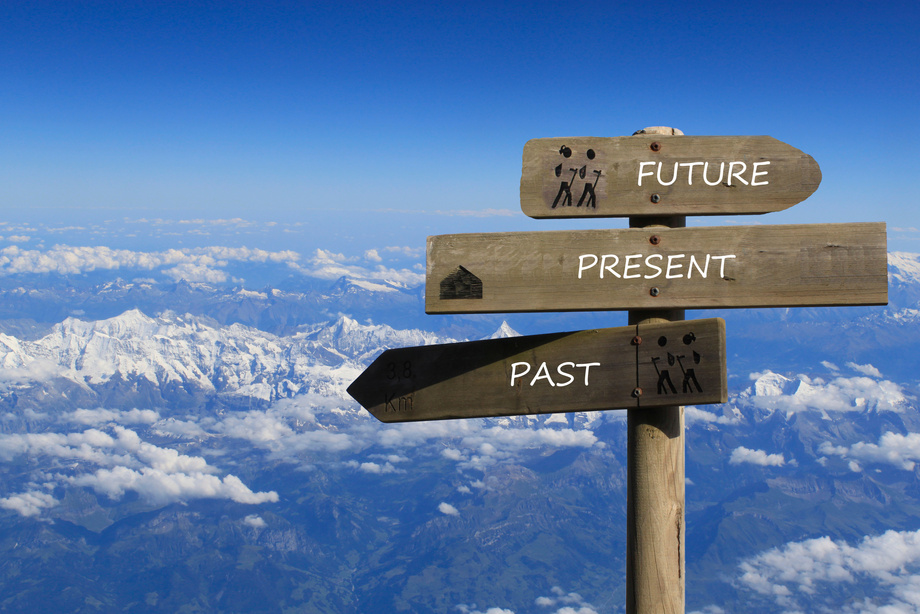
(657, 268)
(663, 175)
(649, 365)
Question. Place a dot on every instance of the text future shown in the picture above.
(734, 176)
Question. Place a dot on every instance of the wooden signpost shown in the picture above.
(637, 268)
(655, 269)
(658, 174)
(613, 368)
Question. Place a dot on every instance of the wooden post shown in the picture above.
(655, 479)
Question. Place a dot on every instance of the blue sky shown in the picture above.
(373, 124)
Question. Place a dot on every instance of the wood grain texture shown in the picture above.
(656, 518)
(748, 266)
(602, 174)
(614, 368)
(655, 499)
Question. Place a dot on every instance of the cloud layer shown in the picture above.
(204, 264)
(775, 392)
(886, 566)
(901, 451)
(756, 457)
(113, 460)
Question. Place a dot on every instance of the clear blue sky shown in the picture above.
(365, 119)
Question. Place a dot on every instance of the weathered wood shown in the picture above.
(656, 520)
(655, 498)
(600, 177)
(614, 368)
(717, 267)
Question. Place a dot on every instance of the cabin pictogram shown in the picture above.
(461, 284)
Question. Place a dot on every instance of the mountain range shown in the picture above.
(191, 447)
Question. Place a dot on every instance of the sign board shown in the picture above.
(647, 175)
(657, 268)
(648, 365)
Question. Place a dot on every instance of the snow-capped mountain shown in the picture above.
(197, 355)
(221, 437)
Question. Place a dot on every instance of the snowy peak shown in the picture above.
(349, 286)
(130, 323)
(904, 267)
(771, 384)
(362, 342)
(504, 331)
(196, 354)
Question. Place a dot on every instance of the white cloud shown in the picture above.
(518, 438)
(196, 272)
(28, 503)
(91, 445)
(487, 445)
(254, 426)
(371, 467)
(473, 444)
(160, 487)
(192, 264)
(865, 369)
(756, 457)
(372, 255)
(448, 509)
(255, 521)
(103, 416)
(329, 265)
(124, 462)
(185, 429)
(694, 414)
(465, 609)
(288, 430)
(452, 454)
(886, 565)
(570, 603)
(902, 451)
(842, 394)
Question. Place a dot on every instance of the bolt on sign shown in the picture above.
(651, 268)
(648, 365)
(663, 175)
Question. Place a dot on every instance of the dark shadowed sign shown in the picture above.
(649, 365)
(694, 268)
(663, 175)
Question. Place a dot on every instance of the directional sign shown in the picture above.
(695, 268)
(648, 365)
(663, 175)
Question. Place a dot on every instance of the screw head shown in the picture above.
(637, 392)
(654, 239)
(655, 146)
(655, 198)
(654, 291)
(637, 340)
